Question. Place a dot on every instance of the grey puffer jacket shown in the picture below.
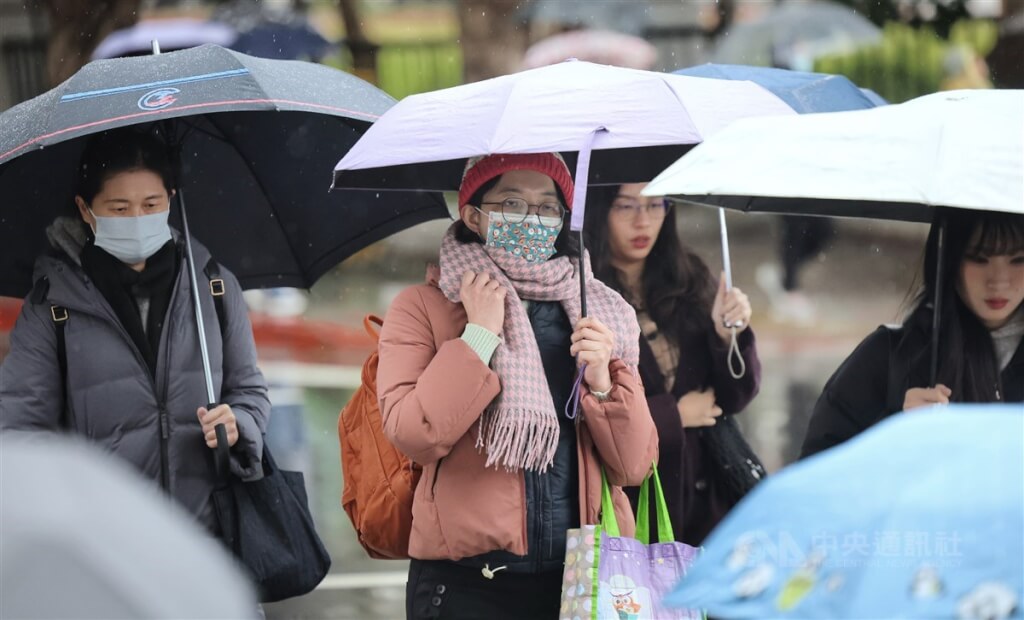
(112, 397)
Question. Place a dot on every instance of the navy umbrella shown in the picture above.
(257, 140)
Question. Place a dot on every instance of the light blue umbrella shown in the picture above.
(921, 516)
(803, 91)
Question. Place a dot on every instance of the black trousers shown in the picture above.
(447, 591)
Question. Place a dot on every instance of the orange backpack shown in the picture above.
(379, 481)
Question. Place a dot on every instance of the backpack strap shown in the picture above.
(60, 316)
(368, 324)
(217, 290)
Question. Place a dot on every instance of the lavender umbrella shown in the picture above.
(632, 120)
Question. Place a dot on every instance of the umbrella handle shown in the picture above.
(736, 358)
(221, 454)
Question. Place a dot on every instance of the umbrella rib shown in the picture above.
(685, 109)
(263, 189)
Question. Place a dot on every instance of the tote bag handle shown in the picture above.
(643, 526)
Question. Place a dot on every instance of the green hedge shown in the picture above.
(908, 62)
(408, 68)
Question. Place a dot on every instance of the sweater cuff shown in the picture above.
(482, 341)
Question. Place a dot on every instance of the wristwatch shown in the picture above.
(602, 396)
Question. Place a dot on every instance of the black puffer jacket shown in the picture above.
(872, 383)
(552, 498)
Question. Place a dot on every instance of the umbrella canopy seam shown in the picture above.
(148, 85)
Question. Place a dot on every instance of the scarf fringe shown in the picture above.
(518, 439)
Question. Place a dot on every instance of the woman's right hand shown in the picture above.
(484, 300)
(922, 397)
(698, 408)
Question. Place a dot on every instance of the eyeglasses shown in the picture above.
(629, 209)
(515, 211)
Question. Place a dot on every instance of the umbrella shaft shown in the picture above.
(940, 252)
(726, 261)
(200, 325)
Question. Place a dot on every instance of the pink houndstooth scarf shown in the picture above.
(519, 429)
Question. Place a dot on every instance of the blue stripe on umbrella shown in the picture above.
(122, 89)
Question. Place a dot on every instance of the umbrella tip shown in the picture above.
(156, 47)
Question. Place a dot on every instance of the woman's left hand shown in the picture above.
(731, 309)
(221, 414)
(592, 345)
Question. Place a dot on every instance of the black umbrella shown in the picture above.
(257, 139)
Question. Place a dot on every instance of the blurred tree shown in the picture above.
(493, 37)
(364, 52)
(77, 27)
(939, 14)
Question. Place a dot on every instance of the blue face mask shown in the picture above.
(132, 240)
(529, 239)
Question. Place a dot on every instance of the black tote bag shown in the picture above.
(267, 525)
(739, 468)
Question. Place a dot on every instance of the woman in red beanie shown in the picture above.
(478, 384)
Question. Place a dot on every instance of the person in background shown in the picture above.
(687, 321)
(981, 359)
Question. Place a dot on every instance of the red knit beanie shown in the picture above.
(480, 170)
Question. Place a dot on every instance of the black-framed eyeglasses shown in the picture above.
(515, 210)
(628, 209)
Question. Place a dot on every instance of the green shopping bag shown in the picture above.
(611, 577)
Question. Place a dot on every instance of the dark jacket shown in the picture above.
(696, 502)
(871, 384)
(114, 400)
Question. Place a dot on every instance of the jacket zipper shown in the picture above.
(163, 418)
(538, 521)
(165, 435)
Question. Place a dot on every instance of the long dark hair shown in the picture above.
(678, 289)
(967, 361)
(566, 244)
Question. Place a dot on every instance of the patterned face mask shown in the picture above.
(531, 240)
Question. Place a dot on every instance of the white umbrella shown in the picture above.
(960, 149)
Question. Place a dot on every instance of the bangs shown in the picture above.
(998, 235)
